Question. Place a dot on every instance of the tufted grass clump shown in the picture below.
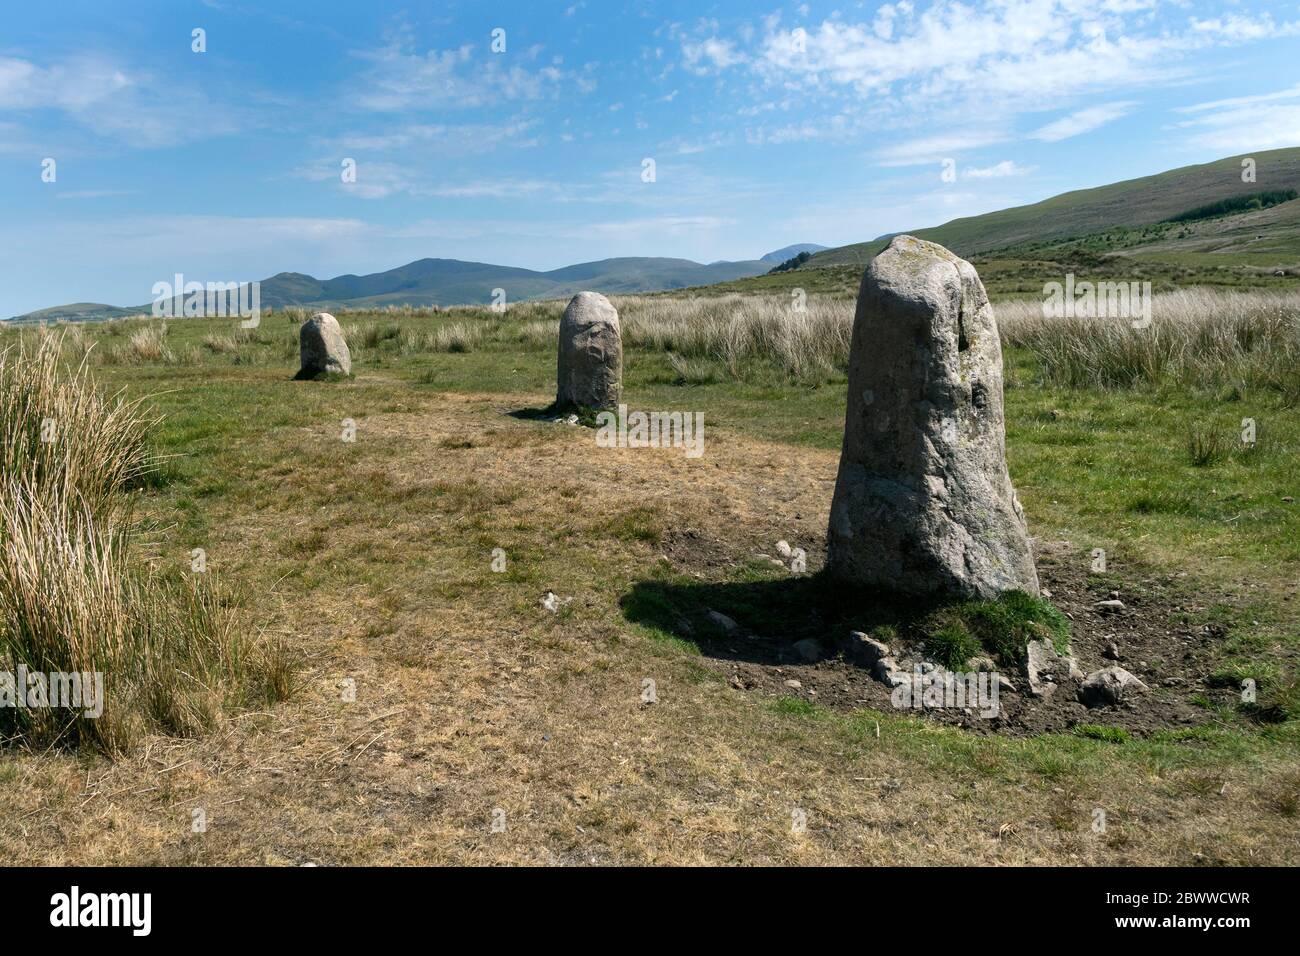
(1002, 627)
(59, 434)
(72, 599)
(952, 644)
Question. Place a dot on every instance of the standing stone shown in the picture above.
(322, 347)
(590, 371)
(923, 503)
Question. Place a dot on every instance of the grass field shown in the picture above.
(432, 696)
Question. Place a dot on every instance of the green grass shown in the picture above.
(952, 644)
(1001, 627)
(796, 706)
(640, 524)
(1114, 461)
(75, 598)
(1114, 464)
(1103, 468)
(257, 459)
(1110, 735)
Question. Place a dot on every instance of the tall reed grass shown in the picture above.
(1198, 338)
(59, 434)
(72, 600)
(739, 330)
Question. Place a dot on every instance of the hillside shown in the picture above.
(1121, 232)
(77, 312)
(1128, 204)
(781, 255)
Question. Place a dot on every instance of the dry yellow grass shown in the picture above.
(59, 434)
(71, 599)
(1197, 337)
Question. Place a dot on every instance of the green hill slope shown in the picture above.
(1129, 204)
(78, 312)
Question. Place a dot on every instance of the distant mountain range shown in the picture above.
(1154, 218)
(454, 282)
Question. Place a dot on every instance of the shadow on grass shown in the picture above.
(772, 615)
(307, 375)
(586, 416)
(534, 414)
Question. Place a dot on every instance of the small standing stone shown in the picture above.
(590, 370)
(322, 347)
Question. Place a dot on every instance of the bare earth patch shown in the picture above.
(1175, 661)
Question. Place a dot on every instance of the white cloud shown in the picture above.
(492, 189)
(1244, 123)
(978, 63)
(689, 147)
(467, 77)
(115, 100)
(1287, 94)
(663, 225)
(374, 180)
(1000, 170)
(1237, 28)
(74, 85)
(1082, 121)
(710, 55)
(445, 137)
(379, 180)
(1037, 49)
(937, 148)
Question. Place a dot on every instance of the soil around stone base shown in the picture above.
(1165, 635)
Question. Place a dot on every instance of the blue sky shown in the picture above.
(768, 125)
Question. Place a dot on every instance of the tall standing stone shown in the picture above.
(322, 347)
(923, 502)
(590, 372)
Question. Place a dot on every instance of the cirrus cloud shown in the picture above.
(1082, 121)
